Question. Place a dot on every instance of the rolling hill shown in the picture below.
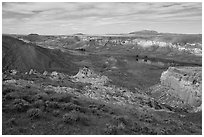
(25, 56)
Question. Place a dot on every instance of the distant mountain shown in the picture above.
(147, 32)
(22, 56)
(34, 38)
(32, 34)
(79, 34)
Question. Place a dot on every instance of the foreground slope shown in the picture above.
(86, 104)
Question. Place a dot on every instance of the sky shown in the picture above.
(100, 18)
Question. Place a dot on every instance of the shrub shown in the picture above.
(10, 131)
(23, 130)
(83, 109)
(136, 127)
(38, 103)
(6, 91)
(52, 104)
(12, 95)
(49, 92)
(43, 96)
(3, 101)
(28, 98)
(20, 105)
(123, 119)
(12, 122)
(147, 118)
(61, 97)
(144, 130)
(165, 131)
(35, 113)
(111, 129)
(75, 116)
(56, 113)
(69, 106)
(28, 86)
(70, 117)
(95, 111)
(75, 101)
(148, 130)
(82, 118)
(121, 126)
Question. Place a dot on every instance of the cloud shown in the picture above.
(83, 16)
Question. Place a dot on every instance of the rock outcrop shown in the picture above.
(86, 75)
(97, 88)
(180, 87)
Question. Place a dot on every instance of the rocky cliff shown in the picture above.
(180, 87)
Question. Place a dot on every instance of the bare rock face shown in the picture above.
(184, 83)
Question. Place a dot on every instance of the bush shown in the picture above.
(23, 130)
(12, 122)
(70, 117)
(147, 118)
(61, 97)
(111, 129)
(12, 95)
(52, 105)
(75, 116)
(121, 126)
(83, 109)
(28, 98)
(6, 91)
(75, 101)
(165, 131)
(49, 92)
(20, 105)
(56, 113)
(123, 119)
(148, 131)
(136, 127)
(82, 118)
(35, 113)
(43, 96)
(69, 106)
(39, 103)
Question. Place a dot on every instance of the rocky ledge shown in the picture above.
(180, 87)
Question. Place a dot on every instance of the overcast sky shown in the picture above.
(101, 18)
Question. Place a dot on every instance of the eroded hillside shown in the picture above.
(23, 56)
(139, 83)
(143, 42)
(180, 87)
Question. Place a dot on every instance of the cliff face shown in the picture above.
(185, 83)
(180, 87)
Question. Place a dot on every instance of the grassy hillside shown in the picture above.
(27, 111)
(23, 57)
